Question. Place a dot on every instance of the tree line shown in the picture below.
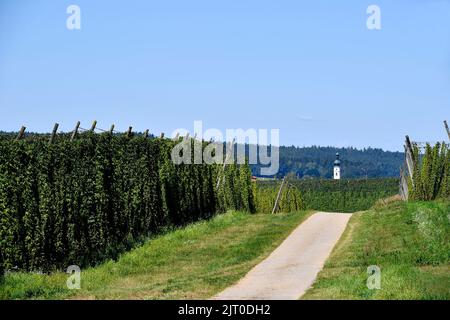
(317, 162)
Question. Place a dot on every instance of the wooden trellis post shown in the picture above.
(409, 161)
(227, 156)
(447, 129)
(75, 131)
(55, 129)
(403, 185)
(111, 130)
(94, 124)
(278, 195)
(146, 133)
(130, 129)
(409, 157)
(21, 133)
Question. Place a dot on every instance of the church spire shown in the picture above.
(337, 168)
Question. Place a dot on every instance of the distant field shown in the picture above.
(409, 242)
(345, 195)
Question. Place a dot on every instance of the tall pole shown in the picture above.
(55, 129)
(21, 133)
(278, 195)
(94, 124)
(75, 131)
(409, 156)
(227, 157)
(446, 128)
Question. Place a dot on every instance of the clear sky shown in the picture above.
(310, 68)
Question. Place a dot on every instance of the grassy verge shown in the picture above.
(195, 262)
(409, 242)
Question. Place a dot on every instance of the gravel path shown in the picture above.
(292, 267)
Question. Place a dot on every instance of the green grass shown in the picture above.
(410, 242)
(195, 262)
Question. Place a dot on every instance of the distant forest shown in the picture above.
(317, 162)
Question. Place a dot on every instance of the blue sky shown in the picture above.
(310, 68)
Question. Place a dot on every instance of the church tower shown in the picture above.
(337, 168)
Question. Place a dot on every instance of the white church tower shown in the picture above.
(337, 168)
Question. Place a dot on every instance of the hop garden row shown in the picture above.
(88, 200)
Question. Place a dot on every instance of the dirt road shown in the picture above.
(292, 268)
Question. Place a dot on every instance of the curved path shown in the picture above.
(292, 267)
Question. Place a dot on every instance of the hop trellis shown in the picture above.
(83, 200)
(431, 172)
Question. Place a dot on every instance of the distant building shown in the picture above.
(337, 168)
